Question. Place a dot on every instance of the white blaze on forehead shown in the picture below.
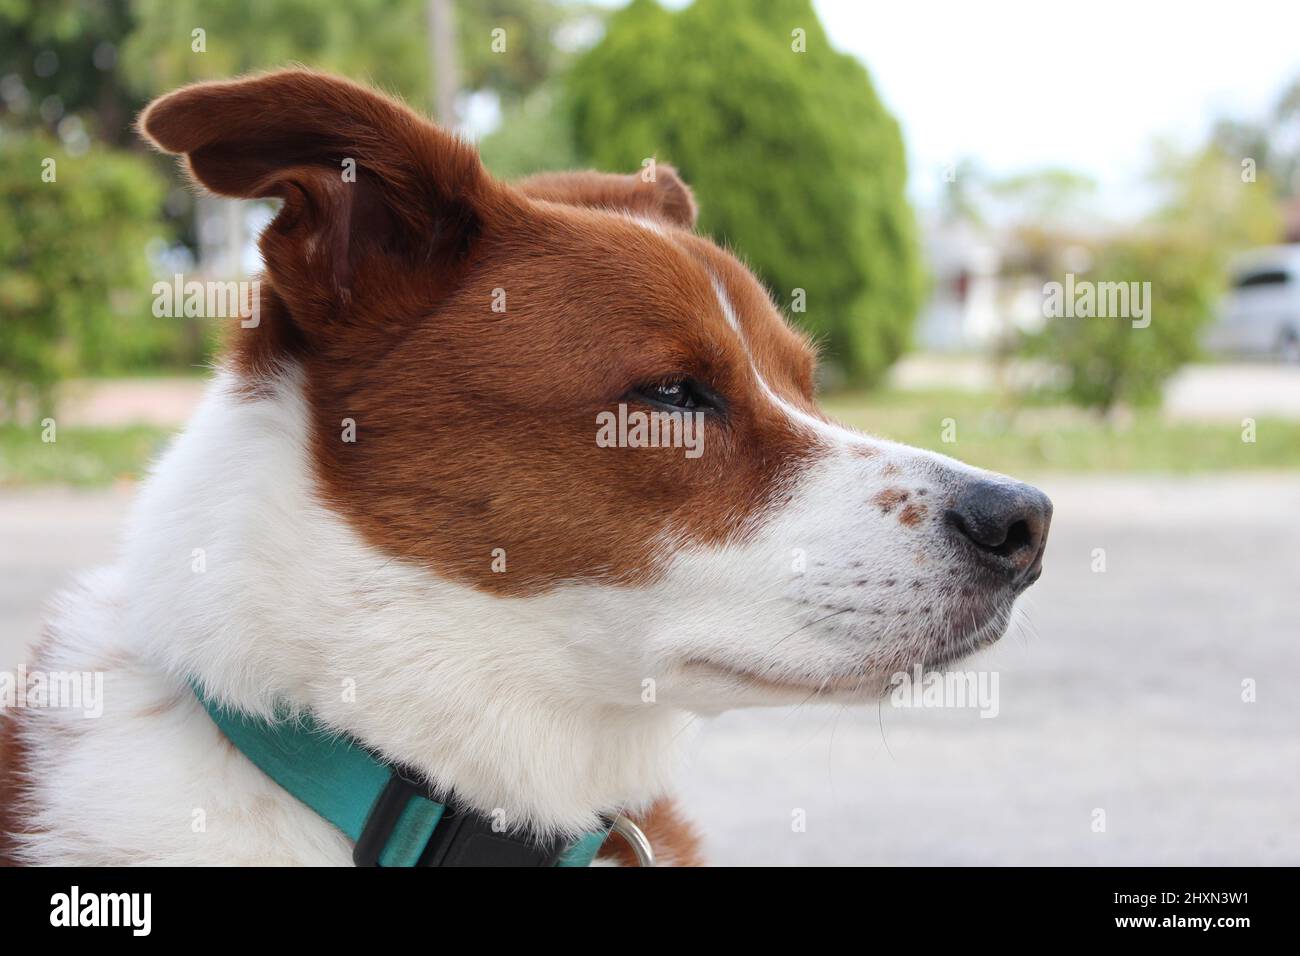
(645, 222)
(825, 431)
(730, 315)
(833, 434)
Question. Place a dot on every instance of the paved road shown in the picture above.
(1123, 693)
(1218, 391)
(47, 535)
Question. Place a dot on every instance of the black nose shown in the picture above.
(1006, 520)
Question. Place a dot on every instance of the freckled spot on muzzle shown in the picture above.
(912, 515)
(889, 499)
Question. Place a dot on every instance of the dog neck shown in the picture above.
(240, 577)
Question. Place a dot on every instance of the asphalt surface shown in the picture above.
(1119, 691)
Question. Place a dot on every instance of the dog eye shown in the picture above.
(677, 393)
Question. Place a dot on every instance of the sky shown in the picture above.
(1092, 86)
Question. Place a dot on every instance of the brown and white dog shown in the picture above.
(496, 588)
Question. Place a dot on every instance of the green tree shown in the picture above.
(60, 58)
(1208, 214)
(534, 136)
(1271, 145)
(1110, 361)
(379, 41)
(796, 163)
(1207, 198)
(74, 277)
(384, 42)
(524, 53)
(1041, 196)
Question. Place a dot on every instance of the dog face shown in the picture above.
(464, 344)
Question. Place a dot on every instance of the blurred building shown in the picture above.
(962, 313)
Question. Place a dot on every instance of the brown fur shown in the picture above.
(912, 514)
(672, 837)
(664, 197)
(889, 499)
(15, 759)
(13, 767)
(475, 429)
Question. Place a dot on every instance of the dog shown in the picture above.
(391, 511)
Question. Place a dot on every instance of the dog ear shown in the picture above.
(665, 197)
(360, 175)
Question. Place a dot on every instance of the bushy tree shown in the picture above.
(74, 277)
(534, 136)
(795, 162)
(509, 46)
(1126, 359)
(163, 50)
(384, 42)
(1208, 213)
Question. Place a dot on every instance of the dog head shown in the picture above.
(558, 393)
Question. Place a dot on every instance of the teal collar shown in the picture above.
(392, 819)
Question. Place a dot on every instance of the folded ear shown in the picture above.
(664, 197)
(360, 175)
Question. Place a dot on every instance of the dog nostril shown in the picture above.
(991, 537)
(1002, 518)
(1018, 536)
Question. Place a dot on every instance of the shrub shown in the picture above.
(794, 160)
(1208, 214)
(1109, 361)
(74, 274)
(534, 136)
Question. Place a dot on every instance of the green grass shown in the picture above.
(1035, 438)
(79, 456)
(1046, 438)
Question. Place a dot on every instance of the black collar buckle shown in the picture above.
(463, 836)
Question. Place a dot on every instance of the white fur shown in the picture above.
(492, 696)
(836, 595)
(553, 709)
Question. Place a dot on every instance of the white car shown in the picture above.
(1260, 315)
